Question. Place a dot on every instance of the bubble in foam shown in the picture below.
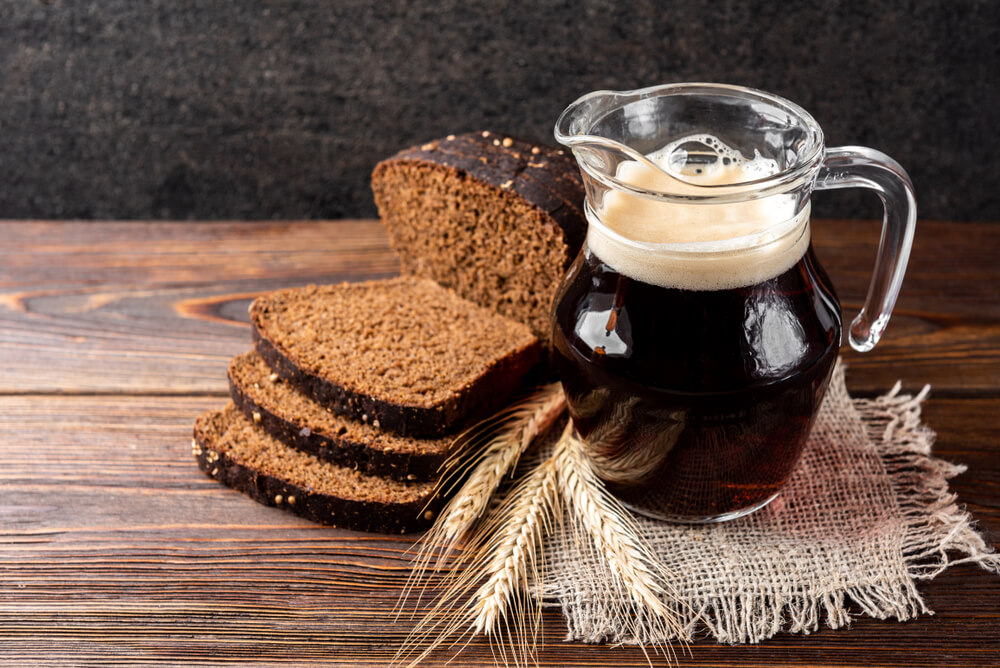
(703, 159)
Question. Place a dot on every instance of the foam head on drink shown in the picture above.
(697, 245)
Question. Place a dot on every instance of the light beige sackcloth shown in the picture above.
(866, 514)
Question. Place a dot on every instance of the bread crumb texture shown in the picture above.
(486, 217)
(405, 341)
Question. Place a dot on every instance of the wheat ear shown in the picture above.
(638, 580)
(531, 417)
(504, 556)
(526, 519)
(515, 563)
(491, 450)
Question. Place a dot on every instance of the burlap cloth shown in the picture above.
(866, 515)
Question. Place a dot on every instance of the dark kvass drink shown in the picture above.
(695, 404)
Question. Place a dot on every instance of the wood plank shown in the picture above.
(115, 547)
(153, 307)
(160, 308)
(945, 329)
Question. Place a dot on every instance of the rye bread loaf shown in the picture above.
(495, 218)
(404, 355)
(298, 420)
(232, 450)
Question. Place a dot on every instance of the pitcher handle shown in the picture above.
(861, 167)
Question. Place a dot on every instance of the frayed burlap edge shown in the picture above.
(937, 533)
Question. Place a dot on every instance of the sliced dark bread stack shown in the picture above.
(496, 218)
(345, 410)
(297, 419)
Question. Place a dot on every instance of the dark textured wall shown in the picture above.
(200, 109)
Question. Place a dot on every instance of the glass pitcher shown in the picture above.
(695, 333)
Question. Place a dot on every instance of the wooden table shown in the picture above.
(116, 549)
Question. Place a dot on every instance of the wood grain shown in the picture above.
(156, 308)
(116, 550)
(159, 308)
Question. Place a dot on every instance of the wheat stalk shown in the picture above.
(639, 581)
(504, 556)
(491, 450)
(521, 526)
(531, 417)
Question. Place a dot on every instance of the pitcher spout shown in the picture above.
(599, 152)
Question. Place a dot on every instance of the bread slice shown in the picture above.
(297, 420)
(404, 355)
(496, 218)
(231, 449)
